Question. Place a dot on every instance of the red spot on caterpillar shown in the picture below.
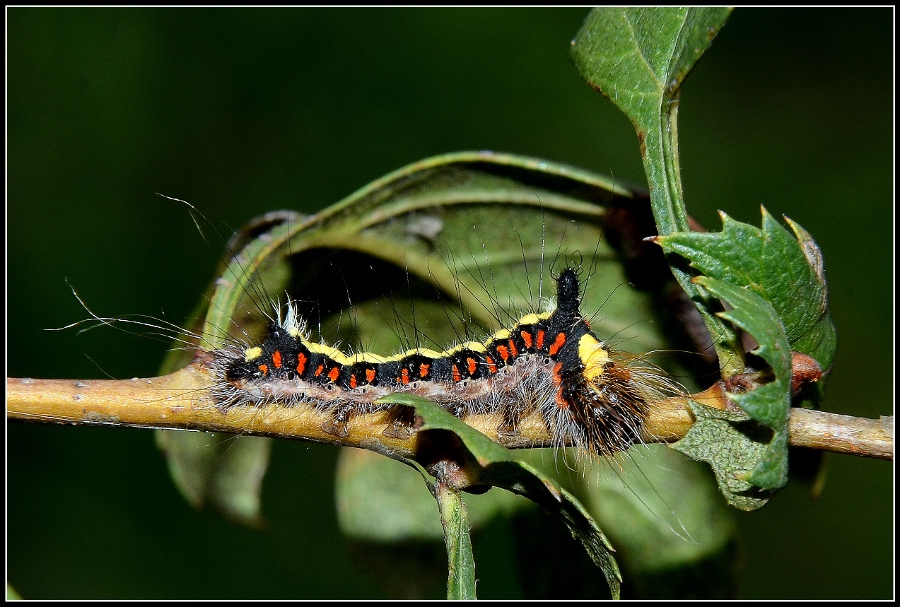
(540, 339)
(561, 401)
(370, 375)
(526, 337)
(557, 344)
(556, 376)
(334, 374)
(503, 351)
(512, 348)
(301, 363)
(471, 365)
(492, 366)
(264, 369)
(423, 370)
(319, 370)
(404, 376)
(276, 359)
(457, 376)
(353, 381)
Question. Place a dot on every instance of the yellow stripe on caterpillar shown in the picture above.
(594, 356)
(252, 353)
(344, 359)
(530, 319)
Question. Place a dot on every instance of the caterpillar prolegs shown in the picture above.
(551, 363)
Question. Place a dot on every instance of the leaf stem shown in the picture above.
(659, 151)
(461, 563)
(660, 155)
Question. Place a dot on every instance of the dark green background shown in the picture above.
(245, 111)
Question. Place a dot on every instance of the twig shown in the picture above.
(180, 401)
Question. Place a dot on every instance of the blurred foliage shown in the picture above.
(246, 111)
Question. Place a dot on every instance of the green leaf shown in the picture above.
(219, 469)
(770, 402)
(638, 57)
(784, 270)
(732, 445)
(776, 285)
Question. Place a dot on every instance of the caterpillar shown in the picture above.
(551, 363)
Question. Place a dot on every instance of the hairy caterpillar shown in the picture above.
(550, 362)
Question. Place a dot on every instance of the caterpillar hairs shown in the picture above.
(550, 363)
